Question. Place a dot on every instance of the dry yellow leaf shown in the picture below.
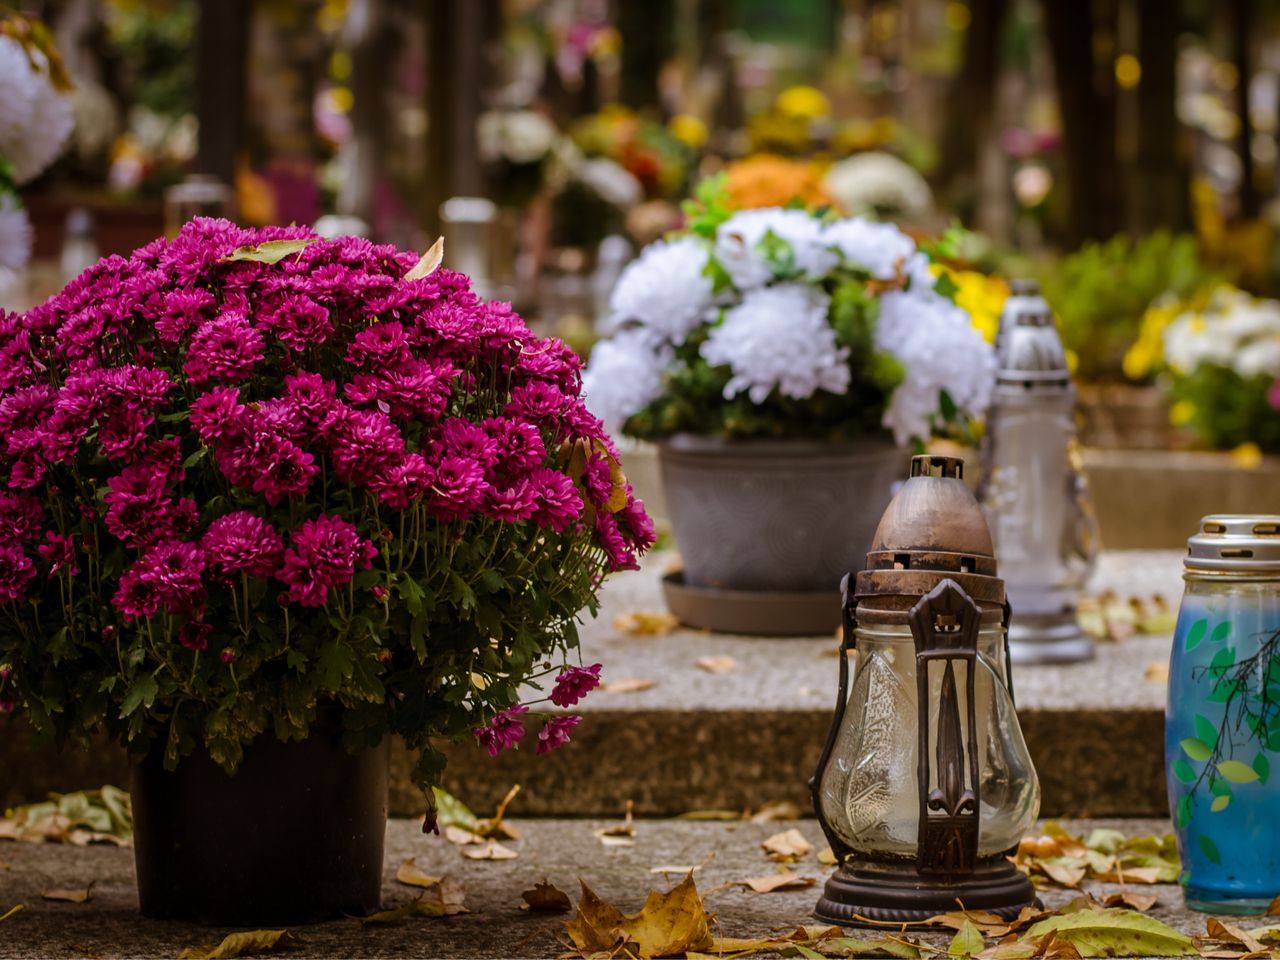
(786, 880)
(1157, 671)
(645, 623)
(1274, 909)
(1142, 902)
(721, 663)
(68, 896)
(546, 897)
(788, 846)
(238, 944)
(12, 911)
(429, 262)
(627, 685)
(410, 875)
(492, 850)
(827, 857)
(776, 810)
(462, 837)
(669, 924)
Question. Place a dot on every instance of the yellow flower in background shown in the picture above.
(767, 180)
(688, 129)
(1147, 352)
(1073, 360)
(981, 296)
(1182, 413)
(1247, 456)
(808, 103)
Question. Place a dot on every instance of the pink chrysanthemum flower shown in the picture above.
(505, 730)
(242, 542)
(227, 348)
(574, 683)
(555, 733)
(325, 553)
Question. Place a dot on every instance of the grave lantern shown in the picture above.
(925, 786)
(1034, 489)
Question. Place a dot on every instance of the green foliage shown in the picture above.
(152, 40)
(1101, 291)
(1226, 409)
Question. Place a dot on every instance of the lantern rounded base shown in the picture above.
(1055, 638)
(868, 894)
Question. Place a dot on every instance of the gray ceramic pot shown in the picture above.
(776, 515)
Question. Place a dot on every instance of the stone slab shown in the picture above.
(561, 851)
(698, 740)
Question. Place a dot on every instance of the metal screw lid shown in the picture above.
(1032, 352)
(1246, 544)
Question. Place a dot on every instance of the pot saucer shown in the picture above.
(755, 613)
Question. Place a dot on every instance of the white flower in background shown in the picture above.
(15, 234)
(611, 182)
(35, 119)
(624, 376)
(880, 248)
(517, 136)
(779, 337)
(939, 349)
(741, 243)
(879, 184)
(664, 290)
(1233, 331)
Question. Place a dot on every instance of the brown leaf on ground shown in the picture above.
(620, 834)
(991, 925)
(645, 623)
(827, 857)
(495, 828)
(669, 924)
(1131, 875)
(717, 664)
(410, 875)
(777, 810)
(627, 685)
(1142, 902)
(462, 837)
(239, 944)
(788, 846)
(492, 850)
(1274, 909)
(445, 898)
(421, 907)
(68, 896)
(546, 897)
(786, 880)
(1219, 930)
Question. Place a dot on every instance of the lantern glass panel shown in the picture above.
(869, 789)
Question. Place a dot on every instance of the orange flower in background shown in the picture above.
(766, 180)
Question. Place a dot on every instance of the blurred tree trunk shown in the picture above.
(1086, 100)
(970, 102)
(456, 79)
(1242, 26)
(222, 41)
(1160, 182)
(646, 31)
(369, 35)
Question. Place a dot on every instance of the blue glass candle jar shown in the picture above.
(1222, 722)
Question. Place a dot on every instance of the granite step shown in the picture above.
(700, 740)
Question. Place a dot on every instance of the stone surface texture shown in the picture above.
(698, 739)
(563, 852)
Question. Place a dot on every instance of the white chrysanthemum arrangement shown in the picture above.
(880, 185)
(35, 121)
(778, 323)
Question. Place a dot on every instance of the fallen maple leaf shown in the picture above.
(717, 664)
(410, 875)
(546, 897)
(788, 846)
(492, 850)
(238, 944)
(669, 924)
(68, 896)
(786, 880)
(627, 685)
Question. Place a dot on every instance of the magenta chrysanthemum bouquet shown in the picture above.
(246, 472)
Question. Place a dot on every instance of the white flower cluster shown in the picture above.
(35, 119)
(516, 136)
(1233, 331)
(770, 326)
(879, 184)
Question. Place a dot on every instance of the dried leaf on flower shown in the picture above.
(429, 262)
(717, 664)
(786, 880)
(410, 875)
(645, 623)
(68, 896)
(788, 846)
(546, 897)
(669, 924)
(627, 685)
(239, 944)
(491, 850)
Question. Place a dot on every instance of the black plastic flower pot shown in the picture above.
(296, 836)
